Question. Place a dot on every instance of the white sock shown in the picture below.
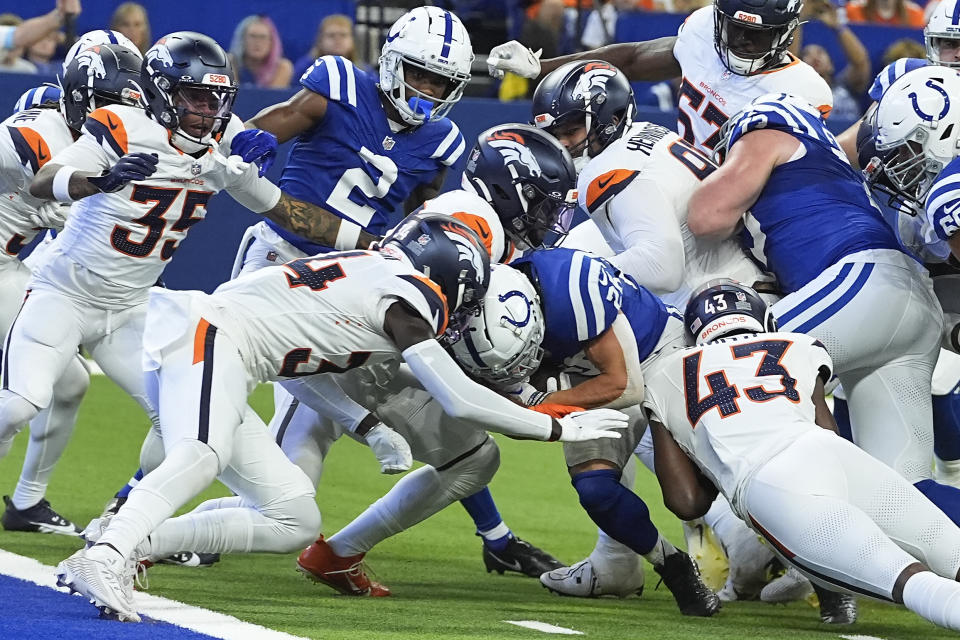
(935, 598)
(660, 551)
(496, 533)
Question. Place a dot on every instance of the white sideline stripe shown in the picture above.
(861, 638)
(214, 624)
(546, 628)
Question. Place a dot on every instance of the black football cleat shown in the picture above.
(835, 607)
(521, 557)
(679, 572)
(40, 518)
(191, 559)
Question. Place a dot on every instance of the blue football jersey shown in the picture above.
(352, 163)
(943, 203)
(582, 295)
(891, 72)
(814, 210)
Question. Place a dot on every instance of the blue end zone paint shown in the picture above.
(32, 612)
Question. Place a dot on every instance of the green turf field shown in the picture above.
(440, 588)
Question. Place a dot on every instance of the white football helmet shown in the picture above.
(99, 36)
(501, 344)
(434, 40)
(944, 24)
(477, 214)
(917, 129)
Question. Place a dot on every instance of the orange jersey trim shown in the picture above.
(199, 340)
(30, 146)
(607, 185)
(795, 60)
(111, 127)
(480, 226)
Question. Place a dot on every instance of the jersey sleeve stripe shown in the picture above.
(351, 72)
(596, 300)
(944, 191)
(480, 226)
(573, 288)
(30, 146)
(333, 74)
(107, 127)
(454, 155)
(607, 185)
(447, 142)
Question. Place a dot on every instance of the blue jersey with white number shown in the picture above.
(352, 163)
(813, 210)
(891, 73)
(943, 203)
(583, 294)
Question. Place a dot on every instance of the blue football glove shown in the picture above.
(133, 166)
(255, 145)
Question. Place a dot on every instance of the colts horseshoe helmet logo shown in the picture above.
(923, 114)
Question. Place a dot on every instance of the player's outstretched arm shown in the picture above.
(464, 399)
(686, 491)
(650, 60)
(318, 225)
(289, 119)
(66, 184)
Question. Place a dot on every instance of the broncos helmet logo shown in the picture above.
(515, 152)
(467, 252)
(90, 58)
(160, 53)
(594, 77)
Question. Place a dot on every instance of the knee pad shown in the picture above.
(474, 472)
(15, 412)
(599, 490)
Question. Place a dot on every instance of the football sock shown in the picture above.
(841, 413)
(946, 426)
(946, 498)
(131, 483)
(660, 551)
(935, 598)
(486, 517)
(617, 510)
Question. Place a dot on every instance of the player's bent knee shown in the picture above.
(15, 411)
(598, 490)
(298, 523)
(474, 472)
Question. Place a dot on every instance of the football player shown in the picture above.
(205, 353)
(91, 285)
(28, 140)
(727, 54)
(783, 165)
(741, 413)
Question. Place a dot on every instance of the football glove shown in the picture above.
(50, 215)
(131, 167)
(590, 425)
(391, 449)
(515, 58)
(255, 145)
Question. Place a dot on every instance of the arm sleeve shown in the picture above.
(651, 232)
(325, 396)
(462, 398)
(633, 393)
(253, 192)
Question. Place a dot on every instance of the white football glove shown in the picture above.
(391, 449)
(560, 382)
(234, 164)
(515, 58)
(590, 425)
(50, 215)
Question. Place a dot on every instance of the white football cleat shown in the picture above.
(789, 587)
(106, 581)
(581, 580)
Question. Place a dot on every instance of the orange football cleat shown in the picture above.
(347, 575)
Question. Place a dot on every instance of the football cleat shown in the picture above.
(707, 552)
(749, 559)
(107, 583)
(791, 586)
(520, 556)
(679, 572)
(836, 607)
(346, 575)
(191, 559)
(40, 518)
(581, 580)
(114, 505)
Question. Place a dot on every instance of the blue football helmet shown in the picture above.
(529, 180)
(189, 73)
(451, 255)
(100, 75)
(593, 91)
(723, 307)
(46, 94)
(751, 36)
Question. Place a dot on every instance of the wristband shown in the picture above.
(61, 184)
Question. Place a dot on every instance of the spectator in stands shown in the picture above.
(257, 54)
(131, 20)
(334, 38)
(18, 33)
(41, 53)
(902, 13)
(903, 48)
(11, 60)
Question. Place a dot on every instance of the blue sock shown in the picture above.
(615, 509)
(946, 426)
(841, 413)
(127, 488)
(490, 525)
(946, 498)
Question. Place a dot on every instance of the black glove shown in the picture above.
(133, 166)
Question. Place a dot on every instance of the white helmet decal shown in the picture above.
(160, 52)
(511, 147)
(90, 58)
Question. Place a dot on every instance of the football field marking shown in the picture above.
(861, 638)
(544, 627)
(197, 619)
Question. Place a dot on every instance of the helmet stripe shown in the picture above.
(112, 36)
(955, 17)
(447, 34)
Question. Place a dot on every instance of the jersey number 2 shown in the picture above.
(358, 178)
(723, 395)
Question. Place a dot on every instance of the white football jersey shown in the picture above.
(710, 94)
(477, 214)
(735, 403)
(127, 237)
(322, 314)
(637, 191)
(28, 140)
